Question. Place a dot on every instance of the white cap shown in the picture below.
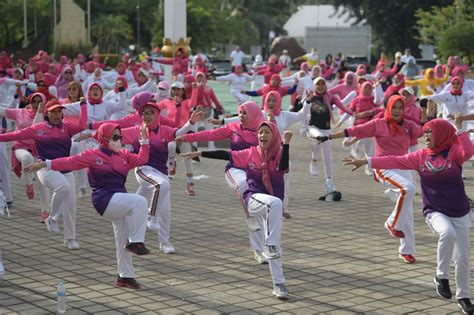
(177, 84)
(408, 89)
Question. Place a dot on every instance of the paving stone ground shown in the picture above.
(338, 258)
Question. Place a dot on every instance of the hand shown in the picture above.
(242, 91)
(177, 99)
(349, 142)
(40, 107)
(355, 162)
(83, 136)
(196, 116)
(35, 167)
(179, 139)
(82, 99)
(270, 115)
(424, 103)
(309, 95)
(18, 84)
(215, 122)
(143, 131)
(458, 119)
(320, 139)
(287, 136)
(191, 155)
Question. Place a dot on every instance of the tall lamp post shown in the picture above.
(25, 26)
(138, 26)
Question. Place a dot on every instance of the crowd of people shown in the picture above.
(74, 119)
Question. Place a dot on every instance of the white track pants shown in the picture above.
(453, 243)
(128, 215)
(401, 218)
(268, 211)
(5, 183)
(325, 147)
(63, 200)
(155, 182)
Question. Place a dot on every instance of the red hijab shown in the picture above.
(444, 135)
(277, 109)
(102, 135)
(387, 116)
(124, 82)
(458, 92)
(270, 155)
(89, 94)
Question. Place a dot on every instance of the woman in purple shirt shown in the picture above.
(446, 206)
(107, 169)
(265, 165)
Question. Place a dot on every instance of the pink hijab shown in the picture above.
(255, 117)
(270, 155)
(277, 109)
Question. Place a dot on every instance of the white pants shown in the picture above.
(78, 147)
(128, 215)
(401, 218)
(453, 243)
(268, 211)
(325, 147)
(27, 159)
(241, 98)
(153, 181)
(5, 183)
(63, 200)
(237, 180)
(185, 147)
(286, 179)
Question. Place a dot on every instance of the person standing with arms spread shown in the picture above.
(236, 57)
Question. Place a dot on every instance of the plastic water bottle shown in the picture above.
(61, 293)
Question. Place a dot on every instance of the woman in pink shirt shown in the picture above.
(52, 139)
(242, 135)
(348, 85)
(393, 135)
(265, 165)
(107, 169)
(446, 206)
(179, 105)
(153, 176)
(24, 151)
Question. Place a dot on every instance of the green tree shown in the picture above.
(458, 40)
(112, 32)
(392, 22)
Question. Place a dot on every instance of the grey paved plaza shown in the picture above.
(338, 258)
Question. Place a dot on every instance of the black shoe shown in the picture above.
(442, 288)
(127, 283)
(466, 306)
(137, 249)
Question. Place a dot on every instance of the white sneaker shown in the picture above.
(82, 192)
(271, 252)
(167, 248)
(52, 226)
(313, 168)
(391, 194)
(369, 171)
(152, 223)
(252, 224)
(330, 185)
(259, 257)
(280, 291)
(71, 244)
(211, 146)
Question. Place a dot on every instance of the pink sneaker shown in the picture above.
(30, 191)
(43, 216)
(407, 258)
(286, 214)
(190, 189)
